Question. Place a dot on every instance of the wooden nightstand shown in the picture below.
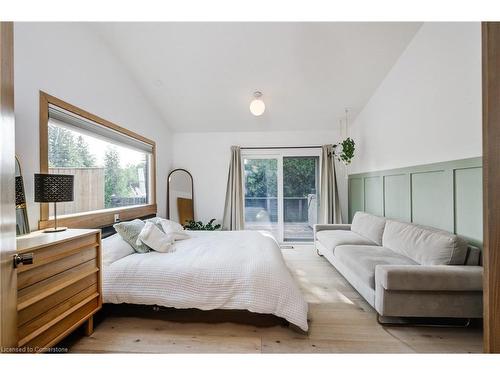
(61, 290)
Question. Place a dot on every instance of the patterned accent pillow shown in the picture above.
(129, 231)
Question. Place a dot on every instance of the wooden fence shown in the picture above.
(89, 190)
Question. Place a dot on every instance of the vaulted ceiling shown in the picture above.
(201, 76)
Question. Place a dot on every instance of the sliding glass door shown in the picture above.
(281, 192)
(261, 194)
(300, 187)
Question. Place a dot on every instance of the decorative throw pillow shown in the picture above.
(129, 231)
(154, 238)
(156, 221)
(173, 228)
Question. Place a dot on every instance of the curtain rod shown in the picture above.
(279, 147)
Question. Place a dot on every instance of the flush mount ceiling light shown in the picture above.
(257, 106)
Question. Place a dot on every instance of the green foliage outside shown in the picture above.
(118, 182)
(299, 177)
(114, 179)
(68, 150)
(261, 178)
(198, 225)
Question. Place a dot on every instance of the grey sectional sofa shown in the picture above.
(404, 269)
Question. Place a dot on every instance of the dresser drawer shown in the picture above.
(46, 288)
(53, 252)
(61, 289)
(42, 306)
(57, 332)
(52, 316)
(47, 270)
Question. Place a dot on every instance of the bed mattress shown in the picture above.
(241, 270)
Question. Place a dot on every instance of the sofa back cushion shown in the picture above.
(425, 245)
(474, 256)
(368, 226)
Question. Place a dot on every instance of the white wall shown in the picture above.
(428, 108)
(69, 61)
(206, 156)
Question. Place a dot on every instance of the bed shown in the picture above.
(230, 270)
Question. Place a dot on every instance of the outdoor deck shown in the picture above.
(293, 231)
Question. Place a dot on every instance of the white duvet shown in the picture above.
(241, 270)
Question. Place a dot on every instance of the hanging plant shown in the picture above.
(346, 152)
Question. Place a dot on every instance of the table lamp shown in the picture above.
(54, 188)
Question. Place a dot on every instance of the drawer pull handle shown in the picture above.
(23, 259)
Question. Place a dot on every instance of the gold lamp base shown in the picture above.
(54, 230)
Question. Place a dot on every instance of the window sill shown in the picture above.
(101, 218)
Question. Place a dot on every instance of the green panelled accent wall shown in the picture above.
(444, 195)
(373, 195)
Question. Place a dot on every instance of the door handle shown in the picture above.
(23, 259)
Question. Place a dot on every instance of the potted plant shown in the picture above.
(198, 225)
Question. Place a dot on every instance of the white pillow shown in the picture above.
(154, 238)
(170, 225)
(113, 248)
(174, 229)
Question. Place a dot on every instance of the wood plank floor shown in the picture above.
(340, 322)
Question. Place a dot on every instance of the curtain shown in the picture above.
(233, 208)
(329, 203)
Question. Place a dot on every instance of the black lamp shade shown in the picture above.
(20, 198)
(54, 187)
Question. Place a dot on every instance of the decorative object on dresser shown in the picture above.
(60, 289)
(22, 223)
(54, 188)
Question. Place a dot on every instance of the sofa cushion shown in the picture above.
(333, 238)
(473, 257)
(362, 260)
(425, 245)
(368, 226)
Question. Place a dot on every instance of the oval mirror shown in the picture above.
(22, 224)
(180, 196)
